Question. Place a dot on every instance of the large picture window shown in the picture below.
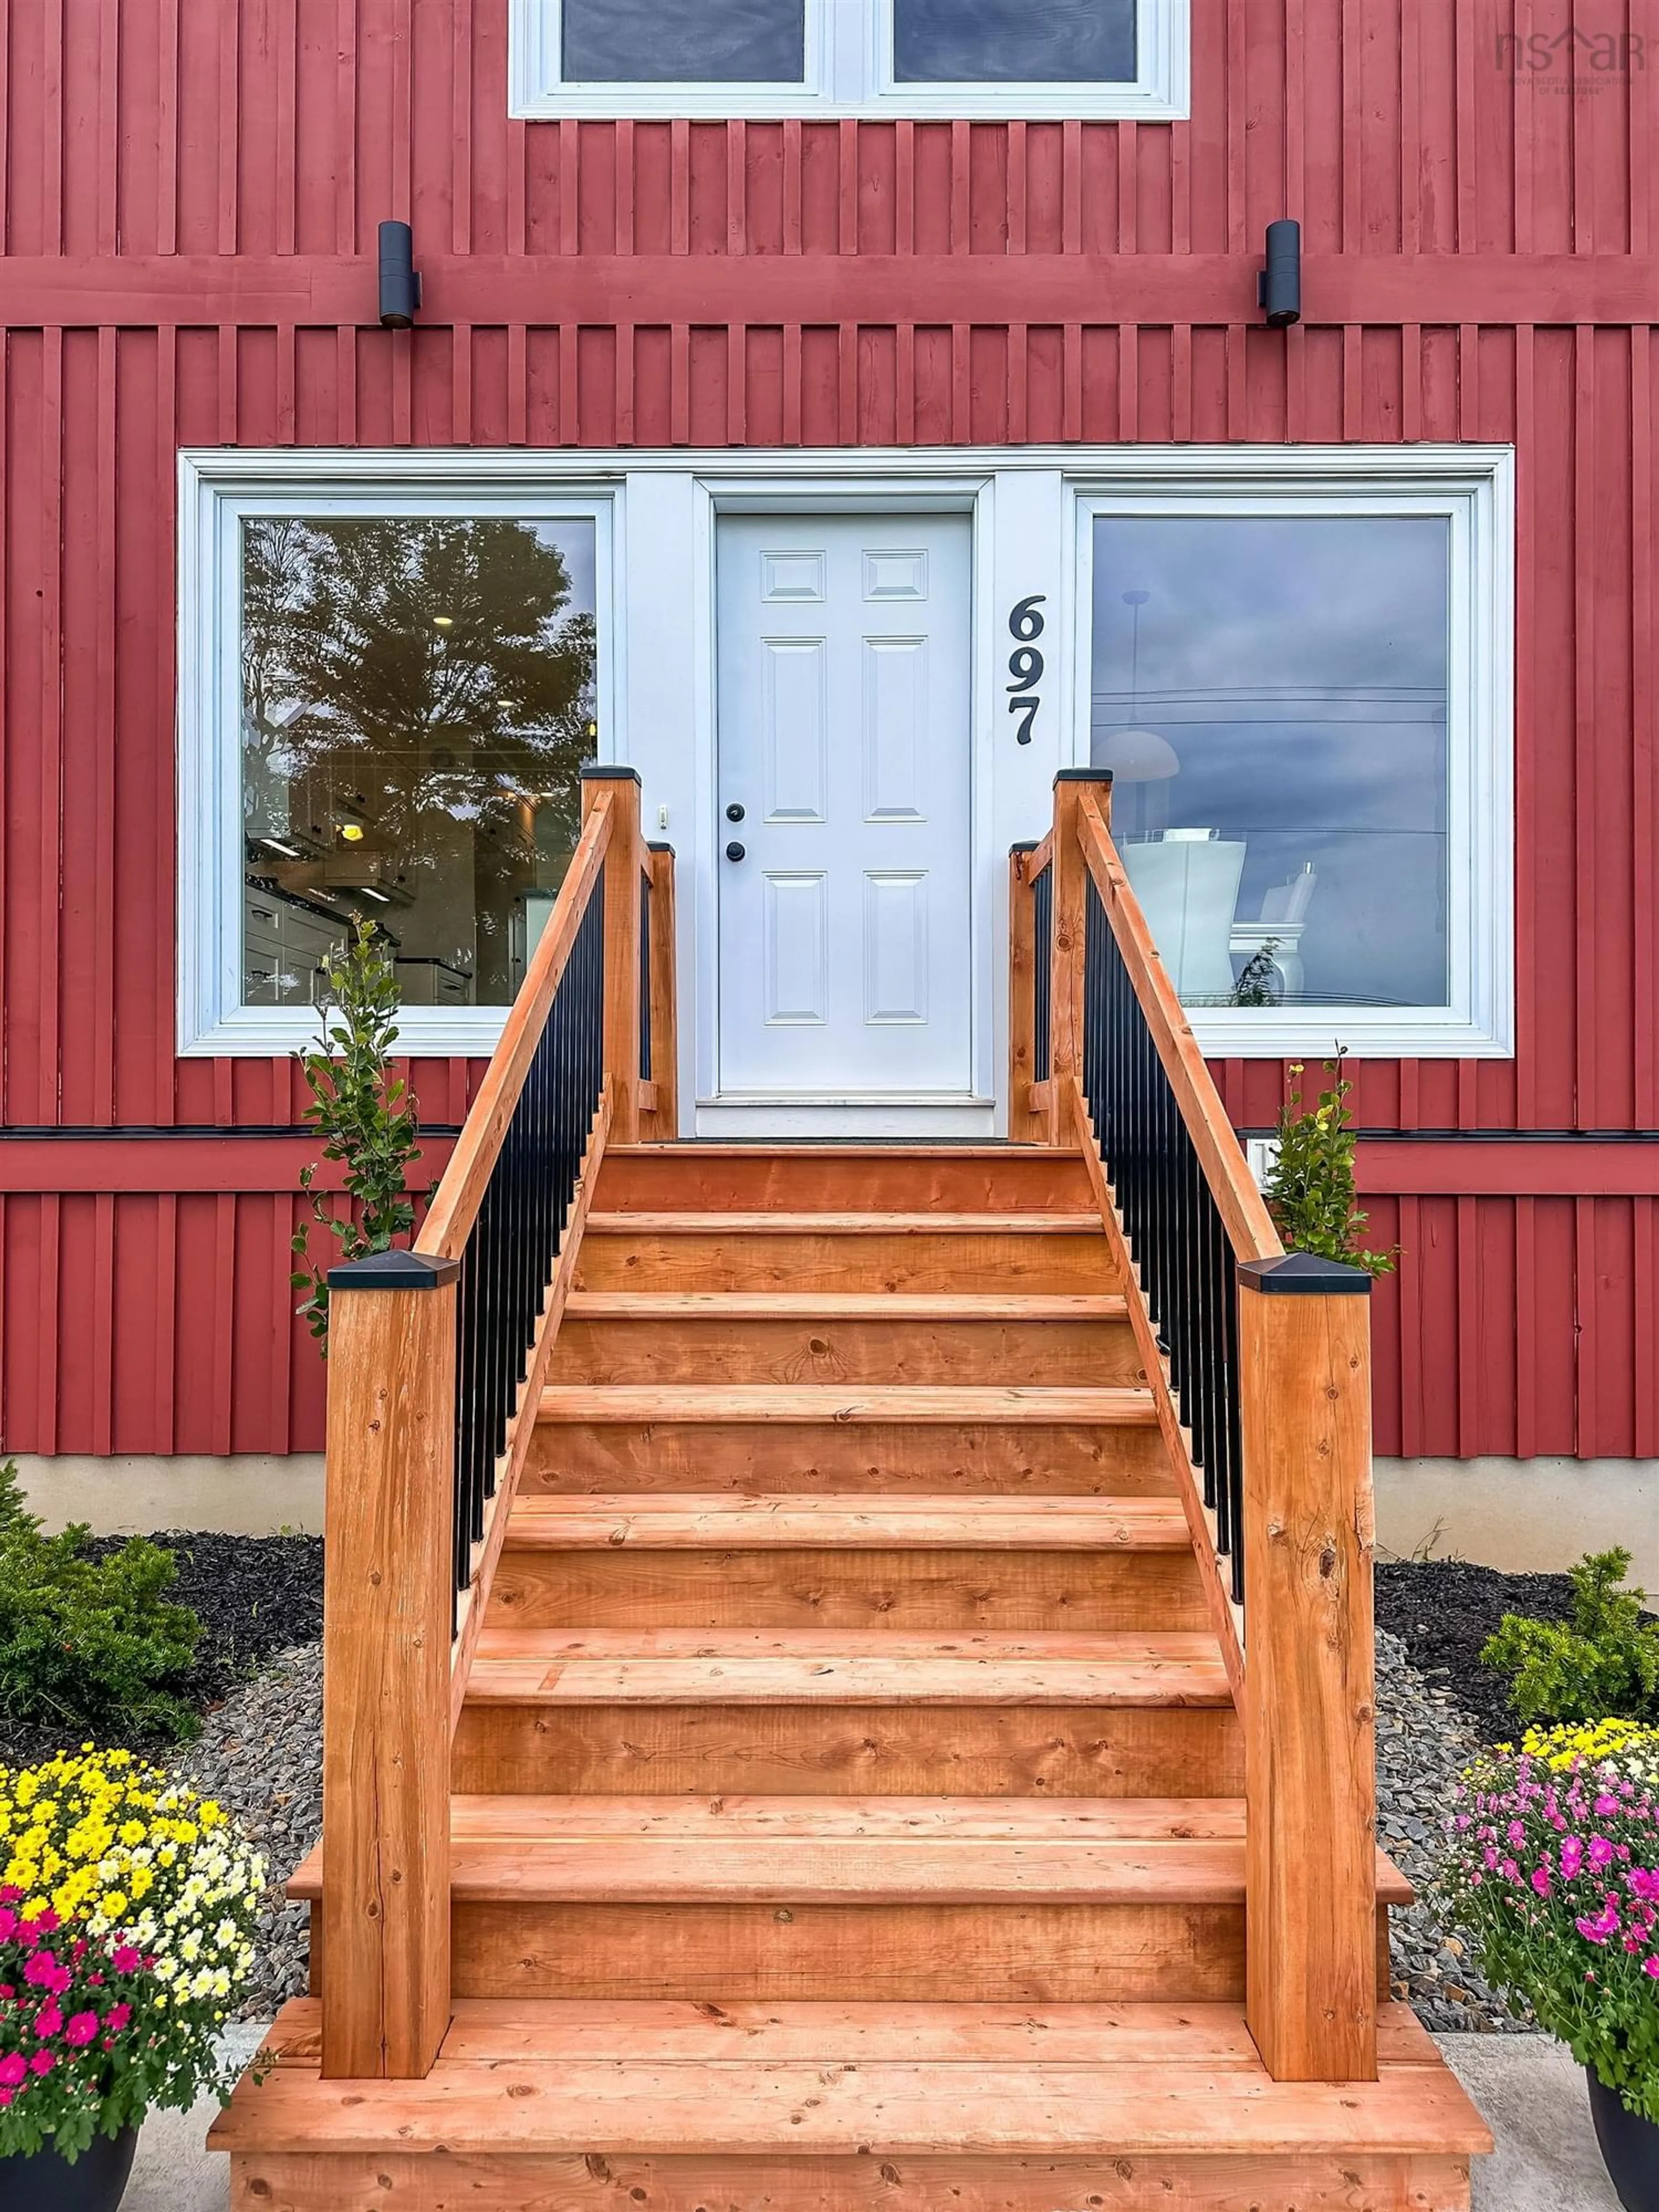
(399, 696)
(1293, 697)
(957, 57)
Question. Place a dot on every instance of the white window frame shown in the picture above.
(216, 490)
(848, 70)
(1473, 488)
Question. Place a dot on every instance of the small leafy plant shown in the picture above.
(127, 1918)
(1607, 1661)
(366, 1117)
(88, 1643)
(1310, 1190)
(1255, 984)
(1553, 1870)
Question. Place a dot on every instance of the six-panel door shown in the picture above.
(844, 762)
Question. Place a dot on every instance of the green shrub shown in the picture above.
(1605, 1665)
(1310, 1190)
(88, 1644)
(366, 1116)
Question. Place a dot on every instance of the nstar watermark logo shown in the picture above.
(1573, 62)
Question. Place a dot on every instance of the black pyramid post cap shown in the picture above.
(608, 772)
(1305, 1274)
(1082, 775)
(393, 1271)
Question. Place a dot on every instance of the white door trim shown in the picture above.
(725, 1113)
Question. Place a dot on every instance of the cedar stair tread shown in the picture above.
(825, 1223)
(844, 1305)
(555, 2080)
(639, 1403)
(720, 1521)
(877, 1667)
(816, 1850)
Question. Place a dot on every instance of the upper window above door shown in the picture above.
(997, 58)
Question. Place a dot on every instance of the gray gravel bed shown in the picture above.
(1423, 1741)
(260, 1755)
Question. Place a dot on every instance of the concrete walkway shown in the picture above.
(1533, 2100)
(1530, 2091)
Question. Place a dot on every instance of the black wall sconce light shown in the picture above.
(400, 282)
(1279, 286)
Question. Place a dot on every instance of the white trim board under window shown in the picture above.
(848, 70)
(1472, 488)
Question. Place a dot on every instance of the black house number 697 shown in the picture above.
(1025, 665)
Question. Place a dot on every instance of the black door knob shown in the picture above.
(734, 851)
(734, 812)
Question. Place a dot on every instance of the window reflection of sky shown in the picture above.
(1297, 668)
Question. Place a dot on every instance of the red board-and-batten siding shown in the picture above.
(821, 284)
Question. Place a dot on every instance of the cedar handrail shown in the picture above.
(1259, 1364)
(1244, 1209)
(437, 1357)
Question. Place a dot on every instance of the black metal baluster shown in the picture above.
(1176, 1236)
(510, 1254)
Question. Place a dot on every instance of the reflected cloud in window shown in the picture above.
(1013, 41)
(1270, 693)
(697, 41)
(417, 700)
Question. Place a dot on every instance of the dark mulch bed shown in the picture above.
(1443, 1610)
(254, 1596)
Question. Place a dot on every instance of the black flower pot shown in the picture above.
(47, 2182)
(1630, 2147)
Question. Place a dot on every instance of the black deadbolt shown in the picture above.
(734, 851)
(734, 812)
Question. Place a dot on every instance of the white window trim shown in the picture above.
(1472, 487)
(216, 491)
(848, 71)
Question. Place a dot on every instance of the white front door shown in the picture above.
(844, 807)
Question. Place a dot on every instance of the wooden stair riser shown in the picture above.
(846, 1750)
(807, 1459)
(831, 1351)
(1004, 1952)
(754, 1179)
(532, 1950)
(630, 1586)
(402, 2181)
(826, 1259)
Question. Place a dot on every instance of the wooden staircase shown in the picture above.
(848, 1789)
(847, 1804)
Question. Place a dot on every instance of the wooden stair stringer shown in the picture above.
(1226, 1614)
(473, 1602)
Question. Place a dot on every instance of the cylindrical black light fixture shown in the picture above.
(1279, 288)
(400, 285)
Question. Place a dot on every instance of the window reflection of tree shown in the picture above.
(400, 678)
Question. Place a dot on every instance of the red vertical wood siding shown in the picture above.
(900, 283)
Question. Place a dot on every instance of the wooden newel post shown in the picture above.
(1026, 1126)
(388, 1598)
(1309, 1723)
(1070, 918)
(664, 1121)
(624, 863)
